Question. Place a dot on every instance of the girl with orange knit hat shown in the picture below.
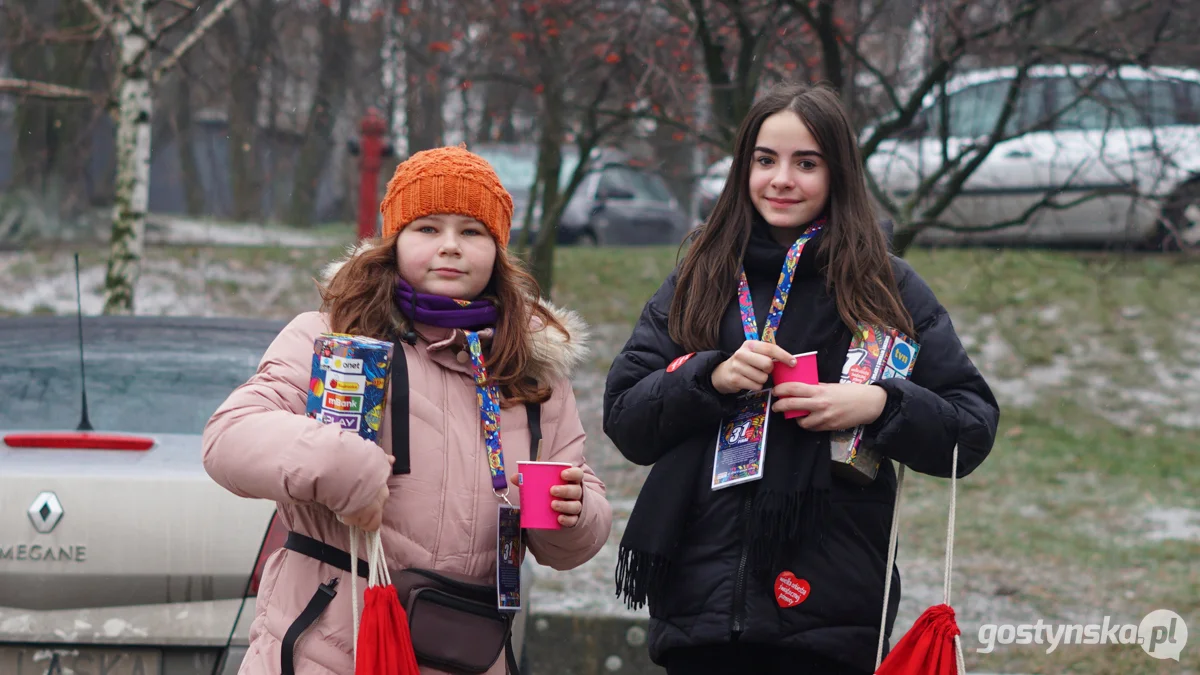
(487, 367)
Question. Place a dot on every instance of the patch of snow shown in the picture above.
(176, 231)
(995, 350)
(1050, 314)
(165, 287)
(1031, 511)
(1173, 524)
(20, 623)
(114, 627)
(1025, 390)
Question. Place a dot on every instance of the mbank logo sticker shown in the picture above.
(343, 403)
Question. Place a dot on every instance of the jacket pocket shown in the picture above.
(846, 575)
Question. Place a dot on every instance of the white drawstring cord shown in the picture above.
(891, 561)
(377, 572)
(893, 538)
(354, 532)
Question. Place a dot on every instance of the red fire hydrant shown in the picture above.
(371, 153)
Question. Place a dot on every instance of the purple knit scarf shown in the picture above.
(443, 312)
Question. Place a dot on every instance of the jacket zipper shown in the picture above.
(739, 589)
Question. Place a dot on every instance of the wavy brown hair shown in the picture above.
(360, 300)
(857, 267)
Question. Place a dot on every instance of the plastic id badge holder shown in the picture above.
(508, 559)
(742, 442)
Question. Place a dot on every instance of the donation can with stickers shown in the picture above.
(875, 354)
(349, 381)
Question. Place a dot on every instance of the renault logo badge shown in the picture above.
(45, 512)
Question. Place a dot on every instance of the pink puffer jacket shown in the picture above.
(440, 516)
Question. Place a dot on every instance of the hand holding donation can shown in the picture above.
(804, 371)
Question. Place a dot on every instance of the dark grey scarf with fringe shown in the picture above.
(789, 504)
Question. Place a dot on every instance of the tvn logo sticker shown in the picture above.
(342, 403)
(902, 358)
(346, 422)
(345, 384)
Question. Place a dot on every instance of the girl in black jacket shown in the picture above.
(783, 574)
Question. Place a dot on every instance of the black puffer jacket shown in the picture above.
(648, 413)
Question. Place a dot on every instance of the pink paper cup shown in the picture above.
(535, 480)
(804, 371)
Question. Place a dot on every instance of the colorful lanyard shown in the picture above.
(489, 414)
(746, 306)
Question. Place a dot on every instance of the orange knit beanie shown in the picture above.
(447, 180)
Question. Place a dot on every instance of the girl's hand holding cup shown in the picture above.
(749, 367)
(546, 499)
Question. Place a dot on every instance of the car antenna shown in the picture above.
(84, 423)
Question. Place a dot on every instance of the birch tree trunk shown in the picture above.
(132, 193)
(134, 37)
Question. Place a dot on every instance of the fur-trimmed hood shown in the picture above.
(555, 355)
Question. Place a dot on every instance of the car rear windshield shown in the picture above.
(143, 375)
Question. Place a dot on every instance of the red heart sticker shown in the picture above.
(679, 362)
(860, 374)
(790, 591)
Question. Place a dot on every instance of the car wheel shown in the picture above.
(1179, 226)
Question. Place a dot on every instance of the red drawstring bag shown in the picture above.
(382, 644)
(928, 648)
(932, 646)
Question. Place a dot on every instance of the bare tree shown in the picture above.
(50, 50)
(575, 59)
(136, 31)
(247, 39)
(328, 97)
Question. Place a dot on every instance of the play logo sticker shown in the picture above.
(346, 422)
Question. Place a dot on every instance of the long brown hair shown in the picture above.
(360, 300)
(858, 270)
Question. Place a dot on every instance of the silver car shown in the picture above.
(1117, 152)
(118, 554)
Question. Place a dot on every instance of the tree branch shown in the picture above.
(97, 11)
(170, 24)
(627, 116)
(192, 38)
(48, 91)
(939, 72)
(501, 78)
(1046, 203)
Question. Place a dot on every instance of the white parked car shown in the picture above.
(1123, 155)
(1121, 159)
